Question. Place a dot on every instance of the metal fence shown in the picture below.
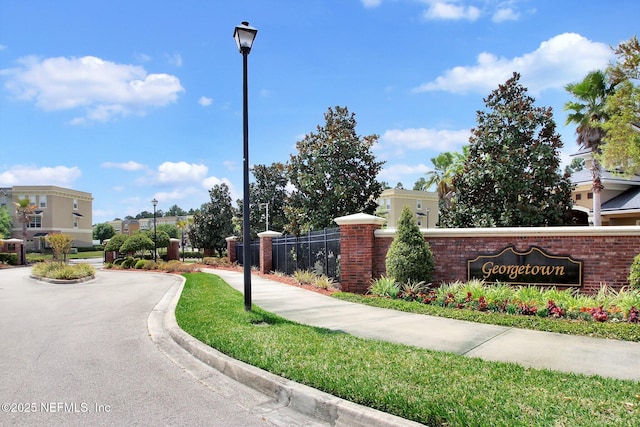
(318, 251)
(255, 253)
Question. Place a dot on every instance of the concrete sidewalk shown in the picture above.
(544, 350)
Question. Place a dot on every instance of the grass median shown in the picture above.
(429, 387)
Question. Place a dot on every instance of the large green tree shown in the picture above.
(175, 210)
(103, 231)
(268, 195)
(511, 177)
(621, 149)
(5, 223)
(587, 111)
(213, 223)
(334, 173)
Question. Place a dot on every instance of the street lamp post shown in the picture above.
(266, 205)
(154, 202)
(244, 36)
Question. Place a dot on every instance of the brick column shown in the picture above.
(173, 251)
(357, 249)
(231, 248)
(266, 250)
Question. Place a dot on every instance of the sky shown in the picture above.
(136, 100)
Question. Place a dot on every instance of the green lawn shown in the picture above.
(429, 387)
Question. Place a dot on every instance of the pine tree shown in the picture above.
(409, 258)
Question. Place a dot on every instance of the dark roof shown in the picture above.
(630, 199)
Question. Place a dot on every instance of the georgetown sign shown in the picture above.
(532, 267)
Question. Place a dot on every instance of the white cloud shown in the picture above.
(31, 175)
(104, 89)
(173, 172)
(446, 10)
(505, 14)
(230, 165)
(398, 141)
(397, 172)
(204, 101)
(212, 181)
(371, 3)
(128, 166)
(175, 59)
(560, 60)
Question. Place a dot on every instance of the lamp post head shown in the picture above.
(154, 202)
(244, 35)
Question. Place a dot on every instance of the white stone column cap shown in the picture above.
(359, 218)
(269, 233)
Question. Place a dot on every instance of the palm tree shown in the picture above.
(24, 210)
(445, 166)
(587, 111)
(183, 225)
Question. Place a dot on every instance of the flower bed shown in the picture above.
(607, 305)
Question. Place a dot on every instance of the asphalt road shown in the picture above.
(81, 354)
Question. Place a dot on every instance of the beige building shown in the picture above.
(131, 226)
(424, 205)
(619, 200)
(56, 210)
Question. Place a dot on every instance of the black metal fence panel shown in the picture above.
(318, 251)
(255, 253)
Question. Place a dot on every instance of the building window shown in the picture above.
(35, 221)
(75, 204)
(75, 222)
(589, 195)
(578, 196)
(388, 204)
(419, 222)
(419, 204)
(43, 202)
(32, 200)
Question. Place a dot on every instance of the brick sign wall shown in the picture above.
(606, 252)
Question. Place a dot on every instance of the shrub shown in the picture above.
(323, 282)
(216, 262)
(176, 266)
(149, 264)
(129, 262)
(62, 271)
(634, 273)
(305, 277)
(409, 258)
(9, 258)
(384, 287)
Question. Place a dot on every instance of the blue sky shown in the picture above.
(132, 100)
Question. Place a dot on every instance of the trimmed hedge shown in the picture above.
(9, 258)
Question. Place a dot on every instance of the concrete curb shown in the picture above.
(62, 281)
(301, 398)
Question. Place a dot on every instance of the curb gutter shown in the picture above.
(301, 398)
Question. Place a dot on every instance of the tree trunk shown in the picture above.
(596, 188)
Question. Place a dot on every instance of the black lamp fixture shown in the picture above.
(154, 202)
(244, 36)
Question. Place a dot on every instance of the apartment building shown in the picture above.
(131, 226)
(619, 200)
(55, 210)
(423, 204)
